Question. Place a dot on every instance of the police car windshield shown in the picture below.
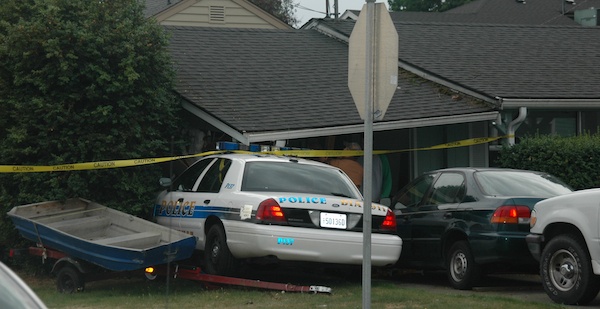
(295, 177)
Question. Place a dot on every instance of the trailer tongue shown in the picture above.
(195, 273)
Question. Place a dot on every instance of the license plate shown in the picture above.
(336, 221)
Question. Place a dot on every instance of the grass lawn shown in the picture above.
(137, 292)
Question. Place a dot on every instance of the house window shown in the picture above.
(561, 123)
(590, 122)
(216, 14)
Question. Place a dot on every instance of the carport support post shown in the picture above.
(368, 154)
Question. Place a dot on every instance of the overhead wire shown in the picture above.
(308, 9)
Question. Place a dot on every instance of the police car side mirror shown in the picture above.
(165, 182)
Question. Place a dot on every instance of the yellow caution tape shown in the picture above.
(93, 165)
(355, 153)
(295, 153)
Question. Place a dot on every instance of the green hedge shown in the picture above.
(576, 160)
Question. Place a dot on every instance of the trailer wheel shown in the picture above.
(217, 257)
(69, 280)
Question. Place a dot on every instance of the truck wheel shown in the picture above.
(217, 257)
(566, 271)
(463, 273)
(69, 280)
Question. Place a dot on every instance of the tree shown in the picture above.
(282, 9)
(83, 81)
(425, 5)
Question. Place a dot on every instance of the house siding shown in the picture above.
(198, 14)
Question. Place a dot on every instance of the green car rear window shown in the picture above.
(516, 183)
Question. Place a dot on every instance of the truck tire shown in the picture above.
(69, 280)
(463, 273)
(217, 257)
(566, 271)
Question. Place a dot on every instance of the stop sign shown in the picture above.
(383, 55)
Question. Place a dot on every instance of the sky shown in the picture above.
(307, 9)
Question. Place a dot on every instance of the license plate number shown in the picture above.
(336, 221)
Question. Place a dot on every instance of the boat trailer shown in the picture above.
(70, 274)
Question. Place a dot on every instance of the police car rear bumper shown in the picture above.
(246, 240)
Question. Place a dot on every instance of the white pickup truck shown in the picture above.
(565, 238)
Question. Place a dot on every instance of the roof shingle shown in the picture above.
(516, 61)
(272, 80)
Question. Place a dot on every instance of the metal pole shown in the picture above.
(368, 155)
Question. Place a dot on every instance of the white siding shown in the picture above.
(235, 16)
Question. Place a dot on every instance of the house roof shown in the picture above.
(262, 85)
(530, 12)
(516, 62)
(154, 7)
(523, 10)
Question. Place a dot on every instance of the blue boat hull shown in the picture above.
(112, 257)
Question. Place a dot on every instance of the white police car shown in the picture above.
(15, 293)
(243, 206)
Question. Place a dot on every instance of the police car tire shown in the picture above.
(217, 257)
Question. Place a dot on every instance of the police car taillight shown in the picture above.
(389, 223)
(270, 211)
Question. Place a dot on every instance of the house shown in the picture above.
(554, 109)
(260, 86)
(489, 60)
(456, 81)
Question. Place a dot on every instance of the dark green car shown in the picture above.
(470, 221)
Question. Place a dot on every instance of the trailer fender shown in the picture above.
(82, 267)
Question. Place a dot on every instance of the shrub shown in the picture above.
(573, 159)
(83, 81)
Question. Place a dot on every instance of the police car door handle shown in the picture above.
(206, 202)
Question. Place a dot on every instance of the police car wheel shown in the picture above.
(217, 257)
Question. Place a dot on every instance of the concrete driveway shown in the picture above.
(522, 286)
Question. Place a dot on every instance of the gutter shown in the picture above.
(514, 125)
(551, 103)
(269, 136)
(359, 128)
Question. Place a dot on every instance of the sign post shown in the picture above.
(372, 79)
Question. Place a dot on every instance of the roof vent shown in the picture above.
(216, 14)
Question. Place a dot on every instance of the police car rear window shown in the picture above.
(294, 177)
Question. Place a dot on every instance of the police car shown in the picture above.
(242, 206)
